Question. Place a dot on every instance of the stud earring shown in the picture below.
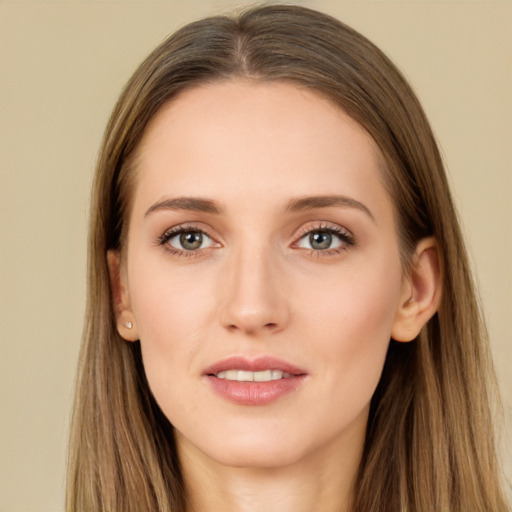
(128, 325)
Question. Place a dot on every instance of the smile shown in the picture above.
(254, 381)
(248, 376)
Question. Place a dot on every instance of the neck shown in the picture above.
(323, 481)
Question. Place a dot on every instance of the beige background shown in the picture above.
(62, 65)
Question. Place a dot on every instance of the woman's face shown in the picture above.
(262, 273)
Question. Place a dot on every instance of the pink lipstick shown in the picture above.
(257, 381)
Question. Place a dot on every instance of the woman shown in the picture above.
(280, 310)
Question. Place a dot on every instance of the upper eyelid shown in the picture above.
(179, 228)
(170, 233)
(323, 226)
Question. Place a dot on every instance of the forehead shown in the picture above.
(240, 138)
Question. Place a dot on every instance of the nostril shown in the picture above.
(252, 328)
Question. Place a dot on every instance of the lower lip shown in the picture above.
(254, 393)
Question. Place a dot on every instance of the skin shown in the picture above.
(256, 287)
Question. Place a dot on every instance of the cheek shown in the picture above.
(350, 325)
(172, 310)
(166, 297)
(169, 310)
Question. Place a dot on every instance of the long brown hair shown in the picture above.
(429, 444)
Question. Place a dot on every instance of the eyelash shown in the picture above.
(178, 230)
(346, 238)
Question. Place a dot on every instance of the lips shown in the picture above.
(253, 365)
(248, 376)
(257, 381)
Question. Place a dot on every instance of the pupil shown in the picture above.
(320, 240)
(191, 240)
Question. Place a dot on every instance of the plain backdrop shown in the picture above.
(62, 66)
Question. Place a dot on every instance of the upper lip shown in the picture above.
(257, 364)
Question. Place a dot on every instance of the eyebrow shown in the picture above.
(302, 204)
(312, 202)
(196, 204)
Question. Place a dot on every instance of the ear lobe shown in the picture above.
(121, 298)
(421, 292)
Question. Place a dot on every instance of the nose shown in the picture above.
(254, 300)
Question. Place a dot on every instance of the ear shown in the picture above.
(125, 321)
(421, 292)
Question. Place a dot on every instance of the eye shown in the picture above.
(187, 240)
(325, 239)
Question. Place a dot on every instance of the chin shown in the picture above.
(251, 450)
(257, 458)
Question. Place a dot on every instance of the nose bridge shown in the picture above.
(253, 298)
